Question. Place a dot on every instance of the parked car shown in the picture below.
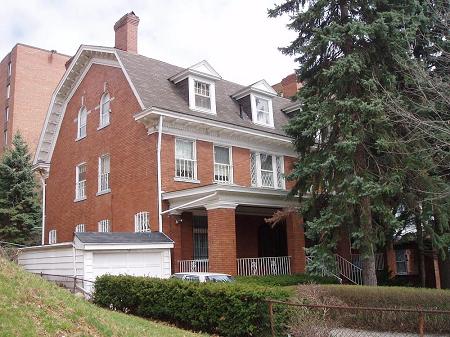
(203, 277)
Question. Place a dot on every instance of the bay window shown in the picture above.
(266, 170)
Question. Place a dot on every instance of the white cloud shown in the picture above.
(235, 36)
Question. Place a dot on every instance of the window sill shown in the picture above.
(103, 192)
(79, 199)
(103, 126)
(223, 182)
(79, 138)
(206, 111)
(265, 125)
(184, 180)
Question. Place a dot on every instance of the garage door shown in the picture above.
(137, 263)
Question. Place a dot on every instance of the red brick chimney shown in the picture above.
(126, 32)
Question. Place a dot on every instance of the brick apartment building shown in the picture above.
(134, 144)
(28, 77)
(288, 86)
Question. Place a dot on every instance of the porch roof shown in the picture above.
(227, 196)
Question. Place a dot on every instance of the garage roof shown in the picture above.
(123, 238)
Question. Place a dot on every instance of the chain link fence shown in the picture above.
(308, 320)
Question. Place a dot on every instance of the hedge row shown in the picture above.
(285, 280)
(225, 309)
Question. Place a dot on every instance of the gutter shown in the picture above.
(159, 174)
(43, 184)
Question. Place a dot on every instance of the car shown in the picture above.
(203, 277)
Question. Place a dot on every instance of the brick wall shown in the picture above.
(35, 75)
(133, 161)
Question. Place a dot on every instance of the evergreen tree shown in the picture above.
(19, 204)
(350, 160)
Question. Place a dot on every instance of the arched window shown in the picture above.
(104, 109)
(82, 121)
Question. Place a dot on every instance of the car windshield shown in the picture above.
(218, 278)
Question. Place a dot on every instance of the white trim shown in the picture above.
(200, 120)
(253, 98)
(194, 159)
(158, 150)
(125, 246)
(44, 185)
(261, 87)
(195, 70)
(230, 155)
(212, 94)
(52, 237)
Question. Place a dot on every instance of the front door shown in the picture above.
(272, 241)
(200, 239)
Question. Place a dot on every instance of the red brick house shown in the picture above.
(134, 144)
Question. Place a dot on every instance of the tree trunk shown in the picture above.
(367, 252)
(420, 248)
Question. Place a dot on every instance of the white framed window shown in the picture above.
(80, 182)
(202, 95)
(262, 111)
(9, 69)
(104, 168)
(267, 170)
(401, 261)
(104, 226)
(80, 228)
(223, 168)
(8, 91)
(82, 123)
(105, 110)
(185, 159)
(142, 222)
(7, 114)
(52, 237)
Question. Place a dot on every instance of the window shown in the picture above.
(80, 182)
(8, 91)
(9, 69)
(103, 226)
(80, 228)
(104, 110)
(52, 237)
(7, 114)
(82, 121)
(103, 173)
(202, 95)
(402, 261)
(5, 137)
(266, 170)
(141, 222)
(262, 112)
(185, 163)
(223, 172)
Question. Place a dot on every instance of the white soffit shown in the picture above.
(261, 87)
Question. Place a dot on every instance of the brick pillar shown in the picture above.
(222, 240)
(391, 260)
(173, 230)
(296, 243)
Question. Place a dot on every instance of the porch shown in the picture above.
(221, 236)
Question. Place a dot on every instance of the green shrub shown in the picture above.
(285, 280)
(225, 309)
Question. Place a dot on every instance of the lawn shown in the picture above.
(31, 307)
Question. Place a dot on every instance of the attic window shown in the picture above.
(202, 95)
(262, 112)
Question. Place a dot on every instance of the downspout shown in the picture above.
(43, 207)
(159, 174)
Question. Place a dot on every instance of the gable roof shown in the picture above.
(151, 77)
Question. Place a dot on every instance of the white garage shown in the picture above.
(94, 254)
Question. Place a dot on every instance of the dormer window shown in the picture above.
(256, 102)
(202, 95)
(200, 82)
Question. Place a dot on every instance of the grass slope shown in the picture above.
(30, 306)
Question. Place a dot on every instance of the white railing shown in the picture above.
(185, 168)
(348, 270)
(260, 266)
(80, 190)
(379, 260)
(189, 266)
(324, 271)
(222, 173)
(104, 182)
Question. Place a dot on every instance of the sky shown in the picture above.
(235, 36)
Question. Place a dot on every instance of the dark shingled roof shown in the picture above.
(151, 80)
(122, 237)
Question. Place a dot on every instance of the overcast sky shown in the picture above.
(235, 36)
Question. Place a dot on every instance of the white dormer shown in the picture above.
(259, 97)
(201, 80)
